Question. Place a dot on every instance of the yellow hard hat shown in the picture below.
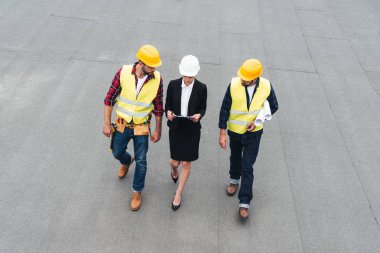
(149, 55)
(250, 70)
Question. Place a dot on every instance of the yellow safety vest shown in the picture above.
(240, 116)
(128, 106)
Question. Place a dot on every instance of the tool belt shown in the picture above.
(138, 129)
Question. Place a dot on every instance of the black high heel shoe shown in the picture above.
(176, 207)
(175, 179)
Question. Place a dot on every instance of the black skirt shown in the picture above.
(184, 145)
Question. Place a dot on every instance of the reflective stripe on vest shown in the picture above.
(244, 113)
(128, 106)
(240, 116)
(132, 114)
(238, 122)
(141, 104)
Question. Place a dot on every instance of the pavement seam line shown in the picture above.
(292, 70)
(92, 60)
(300, 9)
(323, 37)
(8, 50)
(158, 22)
(68, 17)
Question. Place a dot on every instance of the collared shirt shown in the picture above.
(185, 97)
(227, 102)
(115, 89)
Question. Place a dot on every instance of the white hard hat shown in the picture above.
(189, 66)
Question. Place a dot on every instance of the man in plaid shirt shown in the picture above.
(136, 92)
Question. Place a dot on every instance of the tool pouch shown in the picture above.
(113, 128)
(120, 125)
(141, 129)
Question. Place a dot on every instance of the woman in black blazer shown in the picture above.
(186, 101)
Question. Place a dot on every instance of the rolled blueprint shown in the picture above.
(264, 114)
(267, 112)
(260, 118)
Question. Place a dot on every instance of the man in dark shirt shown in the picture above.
(244, 98)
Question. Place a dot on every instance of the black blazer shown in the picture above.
(197, 104)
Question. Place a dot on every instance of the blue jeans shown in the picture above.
(243, 155)
(140, 144)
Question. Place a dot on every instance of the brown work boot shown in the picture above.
(232, 189)
(123, 170)
(136, 201)
(243, 213)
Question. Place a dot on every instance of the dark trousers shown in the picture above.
(243, 156)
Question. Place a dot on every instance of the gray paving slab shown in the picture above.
(374, 5)
(59, 37)
(5, 6)
(316, 184)
(235, 53)
(367, 51)
(324, 182)
(285, 47)
(310, 5)
(319, 24)
(30, 73)
(36, 8)
(16, 31)
(240, 23)
(374, 77)
(79, 9)
(357, 21)
(346, 85)
(100, 43)
(205, 43)
(40, 197)
(169, 11)
(349, 4)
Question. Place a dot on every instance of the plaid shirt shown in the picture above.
(115, 89)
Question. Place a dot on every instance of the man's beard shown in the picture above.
(144, 71)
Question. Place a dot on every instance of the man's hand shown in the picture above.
(107, 120)
(107, 130)
(251, 126)
(195, 117)
(170, 115)
(156, 136)
(157, 132)
(223, 139)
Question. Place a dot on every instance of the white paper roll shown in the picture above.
(267, 112)
(260, 118)
(264, 114)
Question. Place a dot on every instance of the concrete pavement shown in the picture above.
(317, 175)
